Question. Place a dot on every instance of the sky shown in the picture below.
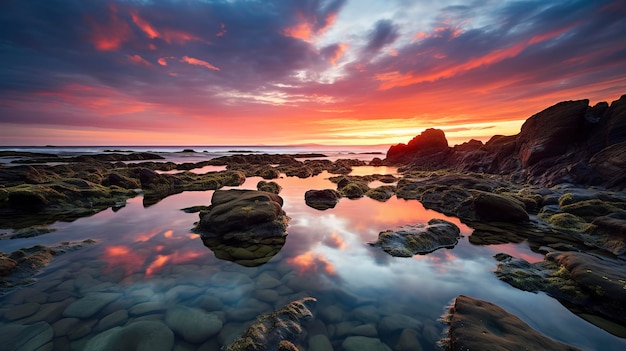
(278, 72)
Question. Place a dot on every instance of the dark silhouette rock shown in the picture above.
(499, 208)
(322, 199)
(430, 141)
(550, 132)
(480, 325)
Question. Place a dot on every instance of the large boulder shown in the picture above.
(244, 215)
(499, 208)
(418, 239)
(550, 132)
(610, 164)
(480, 325)
(278, 330)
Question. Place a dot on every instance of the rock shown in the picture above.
(26, 337)
(21, 311)
(418, 239)
(429, 141)
(354, 190)
(270, 187)
(277, 330)
(90, 304)
(610, 164)
(192, 324)
(480, 325)
(590, 283)
(114, 319)
(320, 342)
(408, 341)
(244, 215)
(609, 232)
(139, 336)
(362, 343)
(549, 132)
(382, 193)
(257, 252)
(499, 208)
(396, 323)
(322, 199)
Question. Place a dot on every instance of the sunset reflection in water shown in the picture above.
(326, 255)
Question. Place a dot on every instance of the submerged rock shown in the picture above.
(258, 252)
(418, 239)
(278, 330)
(244, 215)
(140, 336)
(322, 199)
(480, 325)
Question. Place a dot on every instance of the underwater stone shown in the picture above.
(138, 336)
(192, 324)
(418, 239)
(90, 304)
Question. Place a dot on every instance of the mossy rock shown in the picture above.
(270, 187)
(28, 201)
(354, 190)
(568, 221)
(382, 193)
(591, 209)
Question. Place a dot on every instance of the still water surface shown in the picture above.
(148, 260)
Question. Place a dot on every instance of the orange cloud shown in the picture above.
(162, 61)
(222, 31)
(137, 59)
(338, 54)
(145, 26)
(111, 35)
(197, 62)
(307, 262)
(168, 35)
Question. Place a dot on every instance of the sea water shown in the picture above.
(146, 261)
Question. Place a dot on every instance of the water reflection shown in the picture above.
(147, 261)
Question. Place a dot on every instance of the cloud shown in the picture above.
(198, 62)
(384, 33)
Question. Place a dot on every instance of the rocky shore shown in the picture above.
(559, 185)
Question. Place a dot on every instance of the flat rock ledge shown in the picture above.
(278, 330)
(480, 325)
(244, 216)
(420, 239)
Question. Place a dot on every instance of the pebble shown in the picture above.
(142, 335)
(396, 323)
(408, 341)
(114, 319)
(21, 311)
(362, 343)
(90, 304)
(192, 324)
(320, 342)
(364, 330)
(331, 314)
(267, 281)
(63, 326)
(26, 337)
(146, 308)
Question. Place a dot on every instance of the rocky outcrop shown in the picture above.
(420, 239)
(429, 145)
(480, 325)
(570, 142)
(244, 215)
(278, 330)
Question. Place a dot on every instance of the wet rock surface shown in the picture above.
(410, 240)
(278, 330)
(322, 199)
(480, 325)
(244, 215)
(592, 283)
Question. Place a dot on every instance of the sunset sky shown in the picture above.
(251, 72)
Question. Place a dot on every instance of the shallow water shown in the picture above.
(147, 260)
